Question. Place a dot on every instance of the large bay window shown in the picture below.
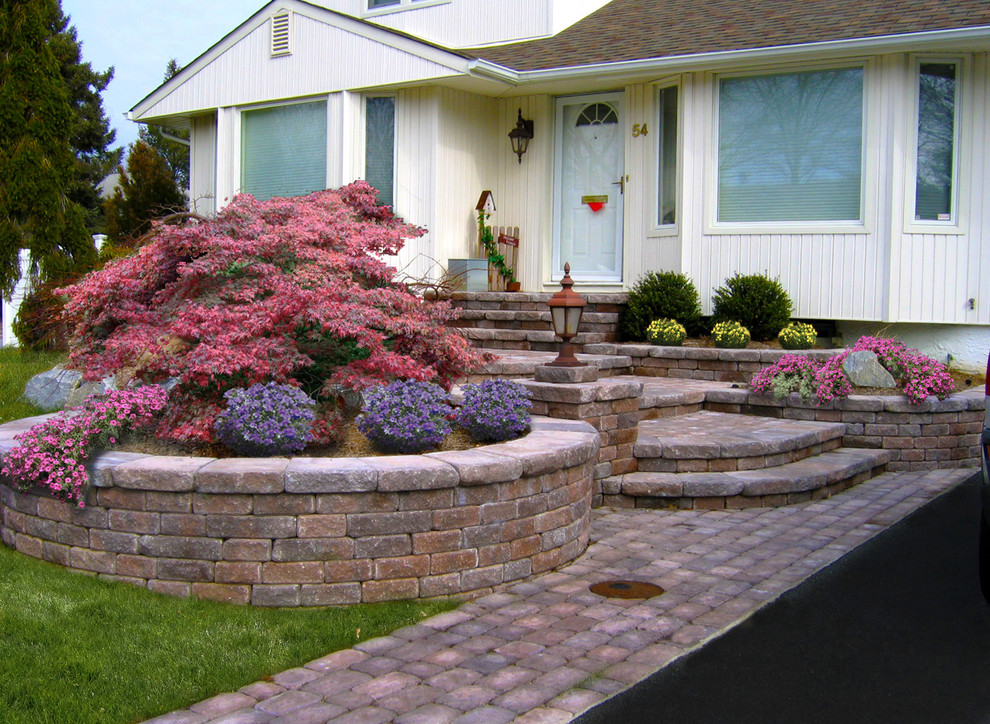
(284, 150)
(934, 188)
(790, 147)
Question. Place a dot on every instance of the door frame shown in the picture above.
(617, 98)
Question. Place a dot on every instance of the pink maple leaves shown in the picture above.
(289, 290)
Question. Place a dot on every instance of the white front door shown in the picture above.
(588, 188)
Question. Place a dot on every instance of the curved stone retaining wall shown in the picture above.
(319, 531)
(933, 435)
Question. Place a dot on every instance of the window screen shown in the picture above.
(667, 163)
(284, 150)
(790, 147)
(379, 155)
(936, 137)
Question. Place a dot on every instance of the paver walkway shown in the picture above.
(547, 649)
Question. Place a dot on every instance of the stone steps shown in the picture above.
(807, 479)
(721, 442)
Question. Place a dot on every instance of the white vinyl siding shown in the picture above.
(790, 147)
(284, 150)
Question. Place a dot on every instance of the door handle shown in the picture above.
(621, 183)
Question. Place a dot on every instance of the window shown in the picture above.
(379, 146)
(375, 4)
(667, 165)
(284, 150)
(933, 196)
(790, 147)
(597, 114)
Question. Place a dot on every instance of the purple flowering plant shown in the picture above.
(52, 454)
(920, 376)
(406, 416)
(266, 419)
(495, 410)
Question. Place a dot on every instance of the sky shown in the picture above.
(138, 38)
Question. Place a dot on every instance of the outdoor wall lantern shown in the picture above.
(566, 308)
(521, 135)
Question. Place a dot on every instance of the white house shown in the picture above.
(841, 147)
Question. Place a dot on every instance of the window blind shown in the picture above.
(284, 150)
(790, 147)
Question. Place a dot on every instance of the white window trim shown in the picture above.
(921, 226)
(401, 6)
(656, 229)
(237, 176)
(395, 144)
(870, 159)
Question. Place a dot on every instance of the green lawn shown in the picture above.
(16, 368)
(77, 649)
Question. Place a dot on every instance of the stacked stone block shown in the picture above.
(320, 531)
(608, 405)
(934, 435)
(697, 363)
(521, 321)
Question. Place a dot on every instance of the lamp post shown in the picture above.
(566, 308)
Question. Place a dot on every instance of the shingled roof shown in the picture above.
(627, 30)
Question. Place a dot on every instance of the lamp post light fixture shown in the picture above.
(521, 135)
(566, 308)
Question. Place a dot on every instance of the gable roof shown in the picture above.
(214, 77)
(628, 30)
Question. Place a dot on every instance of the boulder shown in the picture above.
(85, 389)
(864, 370)
(50, 390)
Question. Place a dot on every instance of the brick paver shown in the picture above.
(546, 649)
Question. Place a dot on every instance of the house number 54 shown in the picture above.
(640, 129)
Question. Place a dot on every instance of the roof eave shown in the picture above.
(888, 43)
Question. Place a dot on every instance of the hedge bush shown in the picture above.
(757, 302)
(660, 295)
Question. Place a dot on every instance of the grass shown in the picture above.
(78, 649)
(16, 368)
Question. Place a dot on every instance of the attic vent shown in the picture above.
(280, 34)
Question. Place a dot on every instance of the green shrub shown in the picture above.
(730, 335)
(755, 301)
(798, 335)
(667, 332)
(660, 295)
(38, 325)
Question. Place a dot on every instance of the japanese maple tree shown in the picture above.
(288, 290)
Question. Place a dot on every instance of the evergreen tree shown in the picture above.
(91, 135)
(176, 154)
(37, 163)
(147, 190)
